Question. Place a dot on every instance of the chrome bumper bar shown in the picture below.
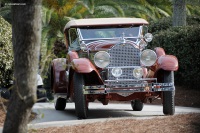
(131, 88)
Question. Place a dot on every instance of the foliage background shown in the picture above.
(6, 53)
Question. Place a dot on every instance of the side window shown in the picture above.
(73, 40)
(72, 35)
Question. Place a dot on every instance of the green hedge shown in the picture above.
(184, 43)
(6, 54)
(166, 23)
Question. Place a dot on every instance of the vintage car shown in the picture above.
(108, 60)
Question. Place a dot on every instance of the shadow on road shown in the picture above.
(115, 113)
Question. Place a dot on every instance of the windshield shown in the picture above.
(109, 33)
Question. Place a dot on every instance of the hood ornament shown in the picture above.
(123, 40)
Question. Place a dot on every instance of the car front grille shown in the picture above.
(124, 56)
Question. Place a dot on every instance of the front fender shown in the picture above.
(167, 62)
(72, 55)
(83, 65)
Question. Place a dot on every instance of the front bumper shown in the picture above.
(128, 86)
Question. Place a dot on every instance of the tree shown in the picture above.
(26, 39)
(179, 13)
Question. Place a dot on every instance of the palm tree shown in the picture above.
(99, 9)
(150, 10)
(47, 39)
(54, 17)
(182, 8)
(57, 13)
(193, 7)
(179, 13)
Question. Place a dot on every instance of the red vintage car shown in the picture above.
(108, 61)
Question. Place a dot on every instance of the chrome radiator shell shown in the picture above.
(125, 56)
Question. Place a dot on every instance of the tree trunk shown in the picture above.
(179, 13)
(26, 31)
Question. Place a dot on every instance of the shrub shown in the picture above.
(166, 23)
(160, 25)
(184, 43)
(6, 53)
(59, 49)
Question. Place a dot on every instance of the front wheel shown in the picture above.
(168, 96)
(81, 105)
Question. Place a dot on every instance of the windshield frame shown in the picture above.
(121, 29)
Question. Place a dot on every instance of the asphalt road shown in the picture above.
(48, 116)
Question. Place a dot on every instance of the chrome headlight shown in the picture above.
(138, 72)
(116, 72)
(148, 57)
(102, 59)
(148, 37)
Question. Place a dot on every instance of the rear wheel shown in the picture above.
(81, 105)
(137, 105)
(168, 96)
(60, 103)
(41, 95)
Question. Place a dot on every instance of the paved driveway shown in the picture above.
(48, 116)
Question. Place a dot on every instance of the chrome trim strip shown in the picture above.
(94, 87)
(136, 80)
(94, 92)
(123, 67)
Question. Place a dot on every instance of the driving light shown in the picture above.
(148, 37)
(102, 59)
(148, 57)
(142, 44)
(116, 72)
(138, 72)
(83, 46)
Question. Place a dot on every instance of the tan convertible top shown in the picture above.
(104, 22)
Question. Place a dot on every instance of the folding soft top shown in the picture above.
(104, 22)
